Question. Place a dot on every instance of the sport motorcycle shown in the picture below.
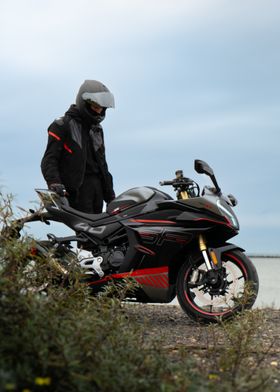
(169, 247)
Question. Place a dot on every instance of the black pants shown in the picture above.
(89, 197)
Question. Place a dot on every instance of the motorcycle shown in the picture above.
(169, 247)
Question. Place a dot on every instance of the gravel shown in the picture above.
(176, 330)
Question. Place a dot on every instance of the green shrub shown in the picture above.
(76, 341)
(56, 338)
(64, 339)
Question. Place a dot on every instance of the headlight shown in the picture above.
(228, 214)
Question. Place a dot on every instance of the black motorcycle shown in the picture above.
(169, 247)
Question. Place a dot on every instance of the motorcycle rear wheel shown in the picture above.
(235, 291)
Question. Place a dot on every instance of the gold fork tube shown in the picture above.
(202, 242)
(184, 195)
(203, 248)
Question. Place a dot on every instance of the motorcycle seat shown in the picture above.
(92, 217)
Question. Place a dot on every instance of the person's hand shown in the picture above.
(59, 189)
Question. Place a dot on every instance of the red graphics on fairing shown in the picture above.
(154, 277)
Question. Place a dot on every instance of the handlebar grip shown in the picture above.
(166, 183)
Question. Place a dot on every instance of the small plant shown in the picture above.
(236, 354)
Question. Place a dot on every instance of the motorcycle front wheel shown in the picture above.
(235, 288)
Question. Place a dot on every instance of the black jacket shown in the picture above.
(65, 158)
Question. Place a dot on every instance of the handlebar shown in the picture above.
(166, 182)
(182, 184)
(177, 182)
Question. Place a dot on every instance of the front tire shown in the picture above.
(235, 290)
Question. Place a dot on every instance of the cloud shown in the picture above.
(191, 78)
(36, 36)
(42, 36)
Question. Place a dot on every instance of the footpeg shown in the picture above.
(92, 265)
(96, 265)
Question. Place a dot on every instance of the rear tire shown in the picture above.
(235, 291)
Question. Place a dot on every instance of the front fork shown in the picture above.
(210, 258)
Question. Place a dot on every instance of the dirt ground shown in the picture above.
(177, 330)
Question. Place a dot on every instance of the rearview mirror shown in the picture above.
(203, 167)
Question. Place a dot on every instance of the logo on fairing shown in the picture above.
(89, 229)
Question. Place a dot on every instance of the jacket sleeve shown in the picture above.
(51, 158)
(109, 193)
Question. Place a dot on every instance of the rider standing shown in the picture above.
(74, 160)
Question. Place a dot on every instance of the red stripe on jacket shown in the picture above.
(54, 135)
(67, 148)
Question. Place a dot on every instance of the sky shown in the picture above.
(192, 79)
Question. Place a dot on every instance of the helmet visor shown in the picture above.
(104, 99)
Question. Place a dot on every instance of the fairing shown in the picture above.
(160, 232)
